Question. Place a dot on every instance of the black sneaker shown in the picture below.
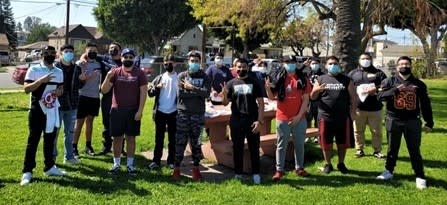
(76, 153)
(89, 151)
(124, 153)
(115, 170)
(327, 168)
(104, 151)
(153, 165)
(342, 168)
(378, 155)
(359, 153)
(131, 170)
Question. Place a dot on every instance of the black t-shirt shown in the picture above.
(334, 100)
(359, 77)
(243, 93)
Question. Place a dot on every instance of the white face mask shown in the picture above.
(365, 63)
(315, 67)
(218, 61)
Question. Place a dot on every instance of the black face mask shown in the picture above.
(49, 59)
(128, 63)
(405, 70)
(169, 67)
(92, 55)
(242, 73)
(113, 52)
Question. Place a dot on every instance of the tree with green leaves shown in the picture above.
(149, 25)
(7, 23)
(253, 20)
(30, 22)
(39, 32)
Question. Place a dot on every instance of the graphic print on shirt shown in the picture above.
(405, 100)
(197, 82)
(334, 86)
(243, 89)
(127, 78)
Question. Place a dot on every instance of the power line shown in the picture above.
(37, 11)
(38, 2)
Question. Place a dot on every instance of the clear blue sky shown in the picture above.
(81, 13)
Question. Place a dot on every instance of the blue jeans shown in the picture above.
(284, 130)
(68, 118)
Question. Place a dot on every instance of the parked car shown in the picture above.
(153, 66)
(19, 73)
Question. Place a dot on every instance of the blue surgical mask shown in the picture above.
(315, 67)
(68, 57)
(333, 69)
(194, 67)
(290, 67)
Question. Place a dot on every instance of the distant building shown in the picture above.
(4, 42)
(387, 52)
(79, 34)
(25, 51)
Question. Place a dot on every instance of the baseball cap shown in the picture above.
(127, 51)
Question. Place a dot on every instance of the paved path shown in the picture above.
(6, 81)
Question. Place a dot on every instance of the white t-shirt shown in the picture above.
(167, 101)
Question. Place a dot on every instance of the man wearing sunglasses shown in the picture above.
(129, 96)
(164, 88)
(45, 83)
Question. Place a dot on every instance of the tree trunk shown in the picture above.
(347, 36)
(245, 51)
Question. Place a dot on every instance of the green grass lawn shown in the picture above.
(90, 184)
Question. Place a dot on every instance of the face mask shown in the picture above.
(365, 63)
(113, 52)
(315, 67)
(169, 67)
(218, 62)
(194, 67)
(333, 69)
(405, 70)
(49, 59)
(242, 73)
(68, 57)
(290, 67)
(128, 63)
(92, 55)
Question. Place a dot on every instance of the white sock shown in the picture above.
(130, 161)
(117, 161)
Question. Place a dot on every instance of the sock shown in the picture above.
(130, 161)
(117, 161)
(88, 144)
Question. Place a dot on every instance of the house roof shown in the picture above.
(36, 45)
(75, 30)
(4, 40)
(403, 50)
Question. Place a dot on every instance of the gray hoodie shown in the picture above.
(193, 101)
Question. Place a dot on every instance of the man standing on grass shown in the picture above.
(69, 101)
(367, 79)
(193, 89)
(164, 88)
(406, 97)
(45, 83)
(247, 110)
(290, 114)
(129, 96)
(336, 109)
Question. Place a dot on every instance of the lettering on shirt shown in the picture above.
(129, 78)
(197, 82)
(335, 86)
(405, 100)
(243, 89)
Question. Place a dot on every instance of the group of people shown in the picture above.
(340, 105)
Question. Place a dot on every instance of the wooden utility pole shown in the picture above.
(67, 22)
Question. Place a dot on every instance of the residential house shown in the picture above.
(387, 52)
(25, 50)
(79, 34)
(4, 42)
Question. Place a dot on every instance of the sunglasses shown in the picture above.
(128, 57)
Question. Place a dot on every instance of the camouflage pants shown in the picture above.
(189, 127)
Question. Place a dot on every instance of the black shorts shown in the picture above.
(122, 122)
(87, 107)
(341, 129)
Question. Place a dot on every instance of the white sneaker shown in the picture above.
(54, 171)
(256, 179)
(421, 183)
(386, 175)
(73, 161)
(26, 178)
(238, 176)
(171, 166)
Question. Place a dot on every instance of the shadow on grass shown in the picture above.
(428, 162)
(14, 109)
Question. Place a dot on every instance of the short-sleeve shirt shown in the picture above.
(291, 105)
(243, 93)
(126, 87)
(91, 86)
(38, 71)
(335, 99)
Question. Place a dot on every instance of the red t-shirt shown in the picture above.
(126, 87)
(291, 104)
